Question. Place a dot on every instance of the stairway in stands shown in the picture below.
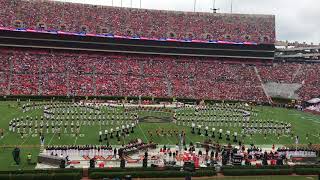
(168, 82)
(94, 81)
(169, 86)
(10, 76)
(66, 74)
(191, 84)
(40, 79)
(262, 86)
(141, 68)
(296, 73)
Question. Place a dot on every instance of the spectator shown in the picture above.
(85, 18)
(61, 73)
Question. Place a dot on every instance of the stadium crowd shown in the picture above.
(37, 72)
(80, 18)
(301, 73)
(41, 72)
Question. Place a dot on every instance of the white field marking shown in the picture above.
(13, 164)
(100, 130)
(305, 117)
(266, 145)
(76, 138)
(315, 121)
(166, 136)
(52, 137)
(25, 140)
(169, 140)
(29, 134)
(185, 132)
(310, 178)
(294, 114)
(312, 118)
(271, 139)
(143, 133)
(4, 135)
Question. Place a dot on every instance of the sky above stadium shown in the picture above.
(295, 20)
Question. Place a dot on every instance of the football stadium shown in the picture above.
(133, 93)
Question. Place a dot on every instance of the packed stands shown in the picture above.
(41, 72)
(280, 73)
(305, 74)
(80, 18)
(309, 78)
(4, 73)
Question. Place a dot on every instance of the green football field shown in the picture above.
(302, 124)
(252, 178)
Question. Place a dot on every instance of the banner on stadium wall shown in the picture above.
(127, 37)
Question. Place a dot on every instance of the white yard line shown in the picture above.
(314, 121)
(76, 138)
(25, 140)
(5, 135)
(169, 140)
(143, 133)
(75, 141)
(185, 132)
(166, 136)
(29, 133)
(52, 137)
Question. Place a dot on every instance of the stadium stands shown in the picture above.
(4, 73)
(72, 17)
(305, 74)
(280, 73)
(40, 72)
(309, 78)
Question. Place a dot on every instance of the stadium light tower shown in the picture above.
(231, 6)
(140, 4)
(194, 5)
(214, 9)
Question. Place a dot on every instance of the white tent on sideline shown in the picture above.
(314, 101)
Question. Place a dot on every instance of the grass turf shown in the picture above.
(302, 123)
(251, 178)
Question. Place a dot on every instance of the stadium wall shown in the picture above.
(117, 98)
(264, 52)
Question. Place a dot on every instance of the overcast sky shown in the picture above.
(295, 20)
